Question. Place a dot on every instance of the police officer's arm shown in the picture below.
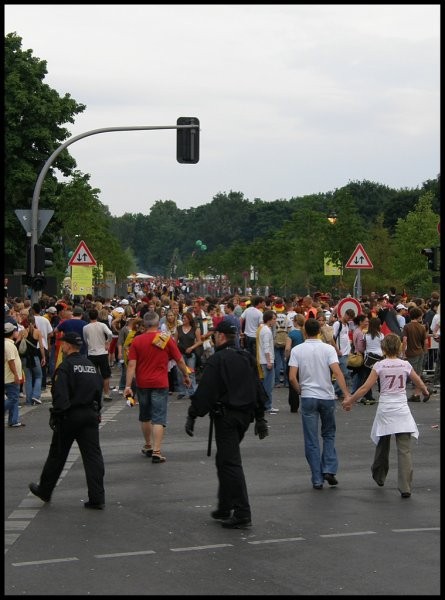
(207, 392)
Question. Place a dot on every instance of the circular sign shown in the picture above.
(346, 303)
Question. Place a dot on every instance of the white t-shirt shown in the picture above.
(45, 327)
(266, 345)
(253, 318)
(313, 359)
(393, 414)
(374, 345)
(343, 342)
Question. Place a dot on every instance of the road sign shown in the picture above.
(359, 259)
(82, 257)
(346, 303)
(43, 218)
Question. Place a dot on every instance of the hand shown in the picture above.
(189, 426)
(187, 381)
(261, 429)
(346, 403)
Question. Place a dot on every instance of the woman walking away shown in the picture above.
(393, 415)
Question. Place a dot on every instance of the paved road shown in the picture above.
(155, 536)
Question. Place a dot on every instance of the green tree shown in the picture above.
(416, 231)
(34, 115)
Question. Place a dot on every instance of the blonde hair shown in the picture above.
(391, 345)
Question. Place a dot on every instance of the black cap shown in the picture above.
(72, 338)
(225, 327)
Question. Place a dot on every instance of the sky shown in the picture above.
(292, 99)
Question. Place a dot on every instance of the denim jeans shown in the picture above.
(33, 378)
(324, 460)
(343, 364)
(190, 361)
(12, 391)
(280, 365)
(268, 383)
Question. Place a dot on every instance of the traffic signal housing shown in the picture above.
(433, 257)
(187, 141)
(42, 258)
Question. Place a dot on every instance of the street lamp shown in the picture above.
(332, 217)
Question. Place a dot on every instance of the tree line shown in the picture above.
(285, 241)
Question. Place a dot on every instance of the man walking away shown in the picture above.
(230, 390)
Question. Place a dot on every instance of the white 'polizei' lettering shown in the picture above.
(84, 369)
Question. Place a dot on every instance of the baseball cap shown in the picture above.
(77, 311)
(124, 302)
(52, 310)
(9, 327)
(401, 306)
(72, 338)
(225, 327)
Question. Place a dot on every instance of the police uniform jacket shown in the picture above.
(77, 384)
(230, 378)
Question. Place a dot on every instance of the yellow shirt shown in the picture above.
(11, 353)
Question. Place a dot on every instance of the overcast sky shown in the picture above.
(292, 99)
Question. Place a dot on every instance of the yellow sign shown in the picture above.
(82, 280)
(331, 268)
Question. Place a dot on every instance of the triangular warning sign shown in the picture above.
(82, 257)
(359, 259)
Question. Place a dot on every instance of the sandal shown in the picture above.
(156, 457)
(147, 450)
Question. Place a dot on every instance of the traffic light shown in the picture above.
(428, 252)
(42, 258)
(436, 258)
(187, 141)
(38, 282)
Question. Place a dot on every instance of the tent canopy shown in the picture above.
(140, 276)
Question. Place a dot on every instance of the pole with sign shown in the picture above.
(358, 260)
(82, 263)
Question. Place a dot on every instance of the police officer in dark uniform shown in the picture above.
(231, 391)
(75, 415)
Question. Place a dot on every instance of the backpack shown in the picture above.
(281, 332)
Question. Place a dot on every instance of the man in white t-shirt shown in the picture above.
(251, 319)
(311, 365)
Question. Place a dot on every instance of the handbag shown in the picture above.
(23, 347)
(371, 359)
(355, 360)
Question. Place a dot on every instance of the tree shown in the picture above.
(34, 114)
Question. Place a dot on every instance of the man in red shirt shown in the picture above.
(148, 358)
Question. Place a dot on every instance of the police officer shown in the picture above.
(230, 390)
(75, 415)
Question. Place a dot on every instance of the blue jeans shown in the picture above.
(280, 365)
(268, 383)
(190, 361)
(33, 378)
(343, 364)
(313, 409)
(12, 391)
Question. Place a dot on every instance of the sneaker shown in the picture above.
(115, 389)
(21, 395)
(237, 522)
(317, 486)
(36, 401)
(35, 489)
(121, 392)
(273, 411)
(330, 478)
(147, 451)
(181, 396)
(17, 425)
(107, 399)
(405, 494)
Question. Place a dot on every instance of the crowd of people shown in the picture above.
(166, 340)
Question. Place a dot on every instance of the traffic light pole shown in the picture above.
(49, 162)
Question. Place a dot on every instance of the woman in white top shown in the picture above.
(373, 337)
(393, 415)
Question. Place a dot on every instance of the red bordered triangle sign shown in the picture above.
(359, 259)
(82, 257)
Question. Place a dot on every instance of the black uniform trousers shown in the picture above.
(80, 424)
(229, 431)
